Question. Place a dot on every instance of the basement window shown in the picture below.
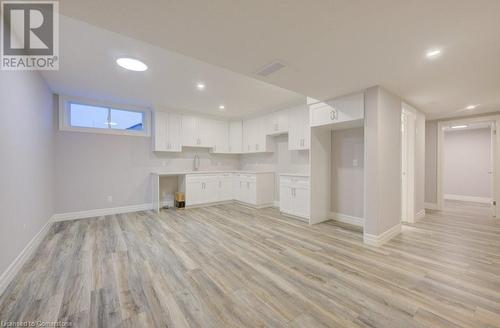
(94, 117)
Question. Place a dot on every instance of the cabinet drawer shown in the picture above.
(294, 180)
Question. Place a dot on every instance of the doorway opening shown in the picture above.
(467, 163)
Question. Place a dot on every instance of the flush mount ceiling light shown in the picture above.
(132, 64)
(200, 86)
(222, 108)
(433, 53)
(459, 126)
(472, 106)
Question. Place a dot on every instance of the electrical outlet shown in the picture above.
(355, 163)
(110, 199)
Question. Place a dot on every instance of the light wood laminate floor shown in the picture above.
(231, 266)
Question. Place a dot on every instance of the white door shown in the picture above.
(408, 131)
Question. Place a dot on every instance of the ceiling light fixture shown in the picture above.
(459, 126)
(132, 64)
(200, 86)
(222, 107)
(472, 106)
(433, 53)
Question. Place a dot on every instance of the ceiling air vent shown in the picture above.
(270, 69)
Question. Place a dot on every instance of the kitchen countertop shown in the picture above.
(208, 172)
(295, 174)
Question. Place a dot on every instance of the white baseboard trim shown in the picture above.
(431, 206)
(483, 200)
(379, 240)
(344, 218)
(14, 268)
(420, 214)
(100, 212)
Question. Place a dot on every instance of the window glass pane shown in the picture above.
(88, 116)
(126, 120)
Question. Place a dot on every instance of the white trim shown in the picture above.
(483, 200)
(16, 265)
(379, 240)
(64, 117)
(431, 206)
(100, 212)
(276, 204)
(420, 214)
(344, 218)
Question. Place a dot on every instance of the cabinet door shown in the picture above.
(174, 132)
(225, 191)
(235, 137)
(251, 192)
(160, 142)
(190, 133)
(194, 194)
(210, 190)
(205, 131)
(237, 187)
(259, 133)
(286, 199)
(221, 137)
(301, 201)
(298, 136)
(247, 136)
(282, 120)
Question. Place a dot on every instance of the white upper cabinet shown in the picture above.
(220, 131)
(255, 137)
(277, 122)
(235, 137)
(167, 132)
(342, 112)
(196, 131)
(298, 128)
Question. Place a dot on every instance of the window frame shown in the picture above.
(65, 117)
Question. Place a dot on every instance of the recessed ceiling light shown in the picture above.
(200, 86)
(222, 107)
(132, 64)
(471, 106)
(459, 126)
(433, 53)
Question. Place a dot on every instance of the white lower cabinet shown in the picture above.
(256, 189)
(225, 187)
(295, 196)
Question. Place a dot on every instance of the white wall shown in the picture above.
(281, 160)
(27, 160)
(91, 167)
(347, 191)
(466, 163)
(382, 161)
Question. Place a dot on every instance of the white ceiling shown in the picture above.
(88, 69)
(331, 47)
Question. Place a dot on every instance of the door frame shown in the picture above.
(408, 138)
(495, 156)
